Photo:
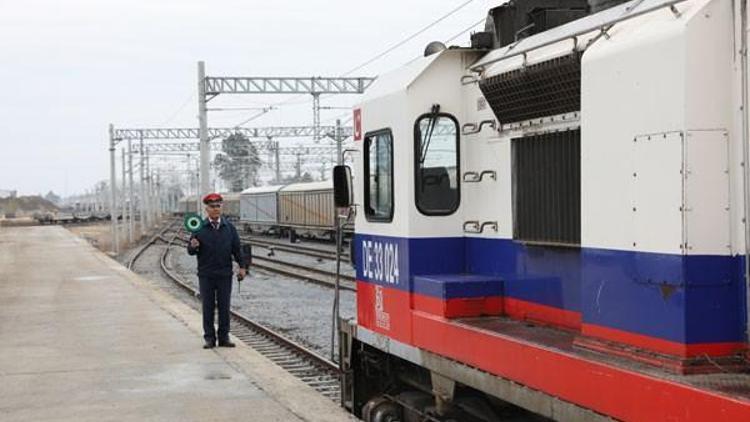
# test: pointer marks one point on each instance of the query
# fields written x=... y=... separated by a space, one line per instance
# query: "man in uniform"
x=215 y=244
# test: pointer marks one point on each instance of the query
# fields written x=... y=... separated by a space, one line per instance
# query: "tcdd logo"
x=382 y=318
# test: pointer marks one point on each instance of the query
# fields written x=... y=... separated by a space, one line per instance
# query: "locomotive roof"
x=401 y=78
x=571 y=30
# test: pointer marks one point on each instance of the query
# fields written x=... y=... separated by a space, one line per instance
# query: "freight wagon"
x=299 y=209
x=231 y=207
x=306 y=209
x=259 y=209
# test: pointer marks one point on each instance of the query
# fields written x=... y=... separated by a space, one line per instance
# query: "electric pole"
x=131 y=194
x=316 y=115
x=277 y=161
x=123 y=199
x=113 y=185
x=339 y=140
x=142 y=189
x=203 y=132
x=298 y=167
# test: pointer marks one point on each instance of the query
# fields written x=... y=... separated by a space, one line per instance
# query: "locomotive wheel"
x=380 y=409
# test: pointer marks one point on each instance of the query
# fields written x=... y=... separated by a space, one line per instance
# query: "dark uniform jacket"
x=217 y=248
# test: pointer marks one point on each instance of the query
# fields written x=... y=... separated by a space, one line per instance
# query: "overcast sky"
x=70 y=67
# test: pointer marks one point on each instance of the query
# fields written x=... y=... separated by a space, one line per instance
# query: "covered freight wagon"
x=192 y=204
x=258 y=209
x=307 y=208
x=187 y=204
x=231 y=205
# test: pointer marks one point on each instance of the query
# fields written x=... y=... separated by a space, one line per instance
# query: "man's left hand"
x=241 y=273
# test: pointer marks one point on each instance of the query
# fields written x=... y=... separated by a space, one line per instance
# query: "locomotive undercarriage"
x=380 y=386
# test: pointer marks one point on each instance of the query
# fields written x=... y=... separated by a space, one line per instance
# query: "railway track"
x=323 y=253
x=300 y=271
x=303 y=272
x=305 y=364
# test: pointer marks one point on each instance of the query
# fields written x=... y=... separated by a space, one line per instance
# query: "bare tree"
x=239 y=162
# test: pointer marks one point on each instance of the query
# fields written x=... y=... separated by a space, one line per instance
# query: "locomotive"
x=555 y=218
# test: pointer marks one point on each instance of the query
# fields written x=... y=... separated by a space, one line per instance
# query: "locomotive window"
x=547 y=188
x=379 y=176
x=436 y=164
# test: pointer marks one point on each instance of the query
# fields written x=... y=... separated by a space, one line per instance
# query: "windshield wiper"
x=430 y=129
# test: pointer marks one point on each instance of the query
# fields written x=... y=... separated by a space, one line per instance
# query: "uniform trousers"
x=215 y=292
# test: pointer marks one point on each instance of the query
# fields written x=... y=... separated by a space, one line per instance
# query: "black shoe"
x=226 y=343
x=209 y=344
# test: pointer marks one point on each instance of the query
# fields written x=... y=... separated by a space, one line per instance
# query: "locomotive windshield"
x=437 y=168
x=379 y=176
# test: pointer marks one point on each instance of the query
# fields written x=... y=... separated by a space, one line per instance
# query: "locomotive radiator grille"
x=547 y=188
x=543 y=89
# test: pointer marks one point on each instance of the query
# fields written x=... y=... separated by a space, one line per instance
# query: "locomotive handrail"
x=598 y=21
x=469 y=79
x=471 y=177
x=491 y=224
x=473 y=128
x=476 y=177
x=473 y=226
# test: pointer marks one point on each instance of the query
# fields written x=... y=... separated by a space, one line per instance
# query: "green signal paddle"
x=192 y=222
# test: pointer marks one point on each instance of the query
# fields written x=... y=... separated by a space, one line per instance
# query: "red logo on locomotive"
x=357 y=124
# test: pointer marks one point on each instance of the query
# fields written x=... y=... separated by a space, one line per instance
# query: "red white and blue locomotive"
x=557 y=221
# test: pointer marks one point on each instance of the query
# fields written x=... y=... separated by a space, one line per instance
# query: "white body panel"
x=658 y=75
x=409 y=93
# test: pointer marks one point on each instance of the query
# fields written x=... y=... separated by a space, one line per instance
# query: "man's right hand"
x=194 y=243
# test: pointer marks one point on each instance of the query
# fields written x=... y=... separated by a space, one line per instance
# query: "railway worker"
x=215 y=244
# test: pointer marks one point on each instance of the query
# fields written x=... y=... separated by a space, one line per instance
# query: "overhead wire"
x=179 y=109
x=409 y=38
x=477 y=23
x=292 y=100
x=448 y=40
x=338 y=116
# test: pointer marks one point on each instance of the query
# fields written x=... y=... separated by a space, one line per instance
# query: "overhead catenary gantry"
x=211 y=86
x=140 y=148
x=214 y=133
x=191 y=147
x=298 y=151
x=337 y=132
x=285 y=85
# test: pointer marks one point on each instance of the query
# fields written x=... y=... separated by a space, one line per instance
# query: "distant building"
x=7 y=193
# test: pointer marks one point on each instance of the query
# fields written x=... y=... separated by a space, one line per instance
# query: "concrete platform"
x=82 y=338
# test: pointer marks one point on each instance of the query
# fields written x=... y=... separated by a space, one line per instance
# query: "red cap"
x=212 y=197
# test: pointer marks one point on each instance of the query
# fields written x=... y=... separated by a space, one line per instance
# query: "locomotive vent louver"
x=543 y=89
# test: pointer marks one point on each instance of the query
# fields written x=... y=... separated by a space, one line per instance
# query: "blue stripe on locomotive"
x=652 y=294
